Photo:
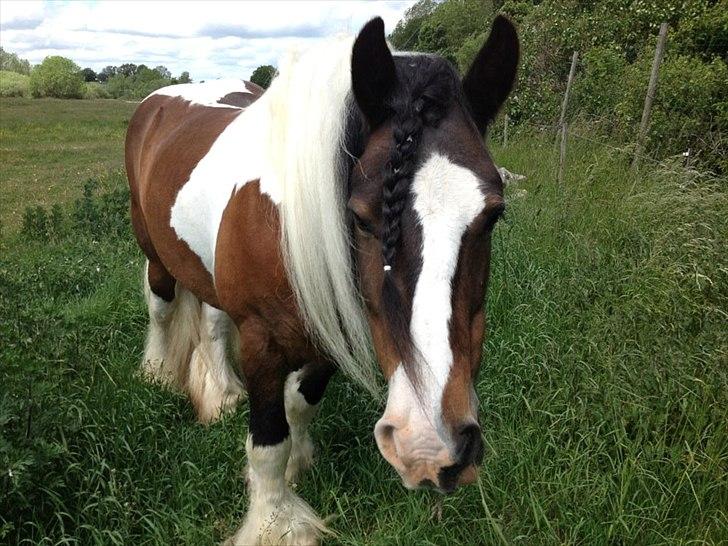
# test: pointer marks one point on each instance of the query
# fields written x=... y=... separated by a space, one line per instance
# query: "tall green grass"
x=604 y=389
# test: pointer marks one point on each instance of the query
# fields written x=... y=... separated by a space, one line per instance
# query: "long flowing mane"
x=310 y=101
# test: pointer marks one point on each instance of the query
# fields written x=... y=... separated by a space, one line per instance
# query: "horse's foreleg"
x=275 y=515
x=304 y=390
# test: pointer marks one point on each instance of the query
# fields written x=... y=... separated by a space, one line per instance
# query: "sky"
x=208 y=39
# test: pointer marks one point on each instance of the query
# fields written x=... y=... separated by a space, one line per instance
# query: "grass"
x=49 y=147
x=604 y=390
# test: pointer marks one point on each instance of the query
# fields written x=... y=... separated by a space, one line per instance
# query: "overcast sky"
x=208 y=39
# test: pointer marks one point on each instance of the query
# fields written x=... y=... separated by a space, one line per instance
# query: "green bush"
x=102 y=214
x=57 y=77
x=263 y=75
x=706 y=35
x=690 y=109
x=39 y=225
x=95 y=90
x=598 y=88
x=13 y=84
x=136 y=86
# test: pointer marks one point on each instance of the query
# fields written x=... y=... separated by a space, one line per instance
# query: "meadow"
x=48 y=145
x=603 y=391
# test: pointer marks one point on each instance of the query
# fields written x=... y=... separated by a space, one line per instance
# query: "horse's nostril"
x=427 y=484
x=470 y=448
x=385 y=433
x=469 y=452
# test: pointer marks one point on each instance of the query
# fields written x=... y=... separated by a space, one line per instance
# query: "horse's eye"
x=362 y=225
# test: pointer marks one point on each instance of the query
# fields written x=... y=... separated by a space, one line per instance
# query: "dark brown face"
x=424 y=272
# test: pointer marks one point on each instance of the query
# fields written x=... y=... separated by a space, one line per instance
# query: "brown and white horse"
x=348 y=207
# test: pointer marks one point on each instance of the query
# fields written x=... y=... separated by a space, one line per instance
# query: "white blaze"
x=447 y=198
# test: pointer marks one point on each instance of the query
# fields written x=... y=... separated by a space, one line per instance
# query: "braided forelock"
x=407 y=129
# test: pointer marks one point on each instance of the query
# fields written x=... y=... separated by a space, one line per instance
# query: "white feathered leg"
x=299 y=414
x=171 y=334
x=212 y=384
x=275 y=515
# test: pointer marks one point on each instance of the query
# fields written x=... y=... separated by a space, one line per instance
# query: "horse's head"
x=425 y=195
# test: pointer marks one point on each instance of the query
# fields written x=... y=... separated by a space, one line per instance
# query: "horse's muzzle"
x=423 y=459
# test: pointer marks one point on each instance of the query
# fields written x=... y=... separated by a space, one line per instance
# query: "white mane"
x=308 y=104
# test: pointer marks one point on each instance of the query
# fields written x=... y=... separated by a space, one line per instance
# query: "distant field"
x=50 y=147
x=603 y=391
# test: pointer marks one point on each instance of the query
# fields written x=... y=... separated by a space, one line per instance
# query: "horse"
x=340 y=220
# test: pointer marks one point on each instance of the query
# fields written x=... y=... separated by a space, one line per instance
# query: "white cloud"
x=208 y=39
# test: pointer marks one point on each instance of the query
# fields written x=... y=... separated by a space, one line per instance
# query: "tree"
x=144 y=74
x=127 y=69
x=263 y=75
x=56 y=77
x=405 y=34
x=88 y=75
x=12 y=63
x=163 y=72
x=106 y=73
x=185 y=77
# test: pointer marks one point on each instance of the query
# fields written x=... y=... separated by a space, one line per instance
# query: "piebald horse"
x=340 y=219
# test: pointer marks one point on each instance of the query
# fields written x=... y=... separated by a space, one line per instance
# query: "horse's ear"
x=373 y=76
x=490 y=78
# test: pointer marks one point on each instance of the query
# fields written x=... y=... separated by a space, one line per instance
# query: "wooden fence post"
x=565 y=104
x=505 y=130
x=562 y=118
x=562 y=153
x=651 y=88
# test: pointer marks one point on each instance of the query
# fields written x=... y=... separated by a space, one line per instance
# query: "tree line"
x=60 y=77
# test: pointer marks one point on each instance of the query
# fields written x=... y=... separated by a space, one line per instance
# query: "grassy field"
x=604 y=391
x=49 y=147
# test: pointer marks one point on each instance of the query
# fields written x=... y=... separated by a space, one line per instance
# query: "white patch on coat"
x=235 y=158
x=207 y=93
x=447 y=198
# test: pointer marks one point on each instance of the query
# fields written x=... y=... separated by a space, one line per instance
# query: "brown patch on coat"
x=241 y=99
x=160 y=281
x=251 y=280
